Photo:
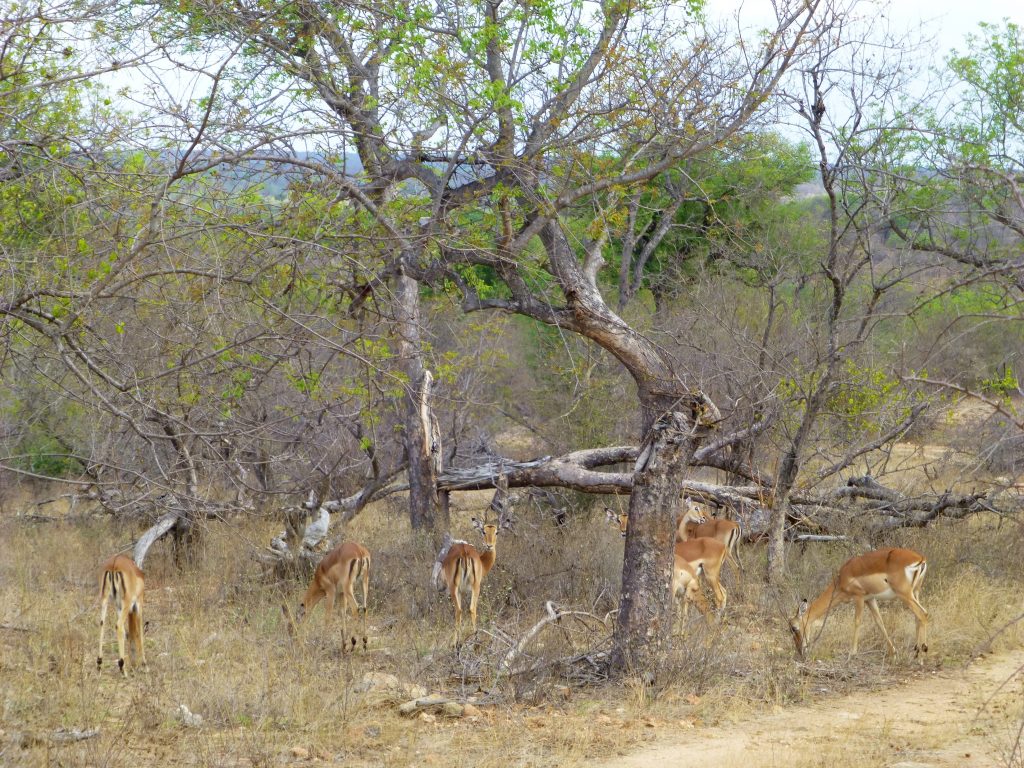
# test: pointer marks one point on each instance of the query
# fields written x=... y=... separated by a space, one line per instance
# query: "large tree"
x=464 y=134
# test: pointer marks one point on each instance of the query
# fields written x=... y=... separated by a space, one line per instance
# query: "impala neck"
x=820 y=606
x=690 y=517
x=487 y=558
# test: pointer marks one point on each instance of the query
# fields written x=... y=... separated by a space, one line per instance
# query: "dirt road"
x=967 y=718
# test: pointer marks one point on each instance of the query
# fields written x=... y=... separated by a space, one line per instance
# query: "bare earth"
x=963 y=717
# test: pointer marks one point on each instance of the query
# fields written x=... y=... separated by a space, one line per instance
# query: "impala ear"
x=802 y=610
x=610 y=516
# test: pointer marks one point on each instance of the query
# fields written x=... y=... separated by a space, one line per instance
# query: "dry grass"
x=216 y=643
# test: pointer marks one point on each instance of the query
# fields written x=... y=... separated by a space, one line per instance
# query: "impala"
x=692 y=557
x=694 y=525
x=686 y=588
x=702 y=555
x=884 y=574
x=122 y=579
x=337 y=574
x=464 y=568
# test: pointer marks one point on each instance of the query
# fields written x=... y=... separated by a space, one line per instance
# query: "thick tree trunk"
x=645 y=609
x=673 y=419
x=423 y=501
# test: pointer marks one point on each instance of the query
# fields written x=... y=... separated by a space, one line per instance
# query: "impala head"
x=798 y=627
x=489 y=530
x=692 y=512
x=621 y=519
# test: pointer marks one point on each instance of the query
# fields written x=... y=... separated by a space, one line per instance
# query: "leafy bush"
x=46 y=455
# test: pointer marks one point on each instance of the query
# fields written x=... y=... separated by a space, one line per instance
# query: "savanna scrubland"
x=410 y=265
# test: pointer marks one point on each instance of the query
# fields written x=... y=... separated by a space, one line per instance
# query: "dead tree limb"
x=158 y=529
x=552 y=615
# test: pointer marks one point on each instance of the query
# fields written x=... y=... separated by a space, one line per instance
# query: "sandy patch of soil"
x=964 y=717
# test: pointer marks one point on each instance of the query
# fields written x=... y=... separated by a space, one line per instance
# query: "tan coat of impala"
x=884 y=574
x=692 y=558
x=336 y=575
x=725 y=531
x=121 y=579
x=464 y=569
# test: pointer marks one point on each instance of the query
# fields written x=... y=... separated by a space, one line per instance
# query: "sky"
x=948 y=21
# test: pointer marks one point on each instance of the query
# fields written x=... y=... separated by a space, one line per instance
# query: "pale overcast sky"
x=948 y=21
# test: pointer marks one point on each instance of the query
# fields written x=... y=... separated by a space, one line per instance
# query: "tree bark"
x=423 y=501
x=645 y=608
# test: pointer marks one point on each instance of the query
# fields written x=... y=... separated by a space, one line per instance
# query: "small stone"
x=300 y=753
x=378 y=680
x=187 y=718
x=452 y=709
x=426 y=717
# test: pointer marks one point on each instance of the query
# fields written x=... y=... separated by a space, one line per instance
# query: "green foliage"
x=861 y=397
x=990 y=125
x=46 y=455
x=968 y=300
x=1001 y=386
x=734 y=205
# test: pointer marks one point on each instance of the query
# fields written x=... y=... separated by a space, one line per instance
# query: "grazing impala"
x=464 y=568
x=884 y=574
x=695 y=525
x=337 y=574
x=692 y=557
x=122 y=579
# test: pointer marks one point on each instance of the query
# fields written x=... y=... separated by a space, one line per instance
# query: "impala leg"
x=122 y=626
x=873 y=605
x=135 y=625
x=329 y=597
x=734 y=561
x=921 y=638
x=473 y=598
x=104 y=603
x=457 y=600
x=696 y=595
x=733 y=556
x=366 y=592
x=716 y=586
x=353 y=606
x=858 y=610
